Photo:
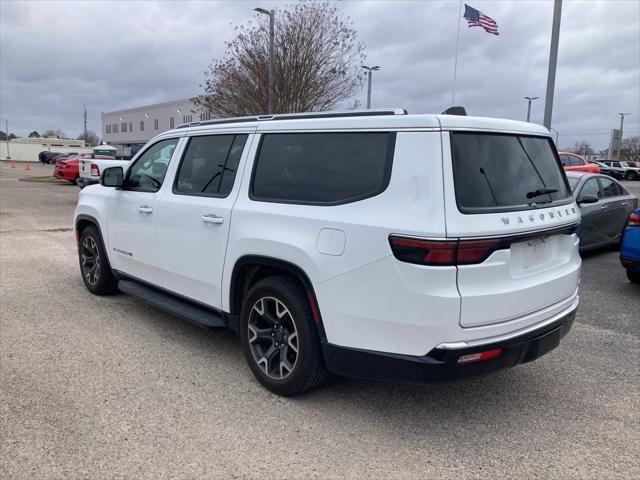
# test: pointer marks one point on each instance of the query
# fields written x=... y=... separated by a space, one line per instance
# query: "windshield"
x=497 y=172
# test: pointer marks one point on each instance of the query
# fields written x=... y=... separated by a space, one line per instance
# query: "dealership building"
x=129 y=129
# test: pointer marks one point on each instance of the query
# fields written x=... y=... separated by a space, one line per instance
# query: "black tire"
x=74 y=181
x=630 y=175
x=308 y=370
x=96 y=274
x=633 y=276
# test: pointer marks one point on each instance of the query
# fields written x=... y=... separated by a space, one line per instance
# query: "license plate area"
x=533 y=255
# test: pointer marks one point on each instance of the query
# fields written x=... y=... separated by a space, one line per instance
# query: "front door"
x=194 y=216
x=592 y=231
x=133 y=212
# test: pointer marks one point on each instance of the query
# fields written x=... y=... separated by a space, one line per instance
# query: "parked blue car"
x=630 y=247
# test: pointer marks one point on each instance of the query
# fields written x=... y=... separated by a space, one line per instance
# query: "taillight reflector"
x=634 y=220
x=442 y=252
x=95 y=171
x=480 y=356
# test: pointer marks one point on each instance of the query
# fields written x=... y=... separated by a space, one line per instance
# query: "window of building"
x=155 y=124
x=108 y=129
x=205 y=116
x=131 y=126
x=142 y=125
x=114 y=127
x=171 y=122
x=322 y=168
x=123 y=126
x=209 y=165
x=187 y=119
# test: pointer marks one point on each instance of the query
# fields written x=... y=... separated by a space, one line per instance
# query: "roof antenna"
x=455 y=111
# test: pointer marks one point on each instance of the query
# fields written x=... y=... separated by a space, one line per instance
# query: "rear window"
x=497 y=172
x=322 y=168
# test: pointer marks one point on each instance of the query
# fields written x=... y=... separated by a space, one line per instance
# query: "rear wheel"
x=279 y=340
x=94 y=266
x=633 y=276
x=630 y=175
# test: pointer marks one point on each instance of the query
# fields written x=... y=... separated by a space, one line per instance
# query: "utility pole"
x=622 y=115
x=530 y=99
x=271 y=14
x=6 y=122
x=586 y=150
x=85 y=124
x=369 y=74
x=553 y=62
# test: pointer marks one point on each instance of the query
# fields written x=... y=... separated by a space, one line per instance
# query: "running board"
x=184 y=309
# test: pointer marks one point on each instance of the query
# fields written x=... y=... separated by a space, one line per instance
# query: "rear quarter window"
x=322 y=168
x=503 y=172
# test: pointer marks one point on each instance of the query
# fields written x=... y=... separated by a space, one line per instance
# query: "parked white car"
x=89 y=169
x=368 y=243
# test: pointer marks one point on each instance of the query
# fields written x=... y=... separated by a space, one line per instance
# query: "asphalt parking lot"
x=107 y=387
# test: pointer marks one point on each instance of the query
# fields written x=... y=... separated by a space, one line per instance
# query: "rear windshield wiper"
x=541 y=191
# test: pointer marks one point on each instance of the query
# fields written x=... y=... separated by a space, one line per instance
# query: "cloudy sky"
x=110 y=55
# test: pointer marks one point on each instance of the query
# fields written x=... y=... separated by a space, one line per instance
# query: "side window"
x=147 y=173
x=564 y=160
x=209 y=165
x=575 y=161
x=590 y=187
x=322 y=168
x=609 y=187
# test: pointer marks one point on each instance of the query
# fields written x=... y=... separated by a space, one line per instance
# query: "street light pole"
x=369 y=74
x=271 y=14
x=530 y=99
x=553 y=62
x=622 y=115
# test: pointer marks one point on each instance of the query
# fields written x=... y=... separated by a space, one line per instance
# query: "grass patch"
x=42 y=179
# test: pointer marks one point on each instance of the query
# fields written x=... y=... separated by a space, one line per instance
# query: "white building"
x=129 y=129
x=28 y=149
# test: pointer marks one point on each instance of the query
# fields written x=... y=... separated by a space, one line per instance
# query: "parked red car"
x=68 y=169
x=575 y=163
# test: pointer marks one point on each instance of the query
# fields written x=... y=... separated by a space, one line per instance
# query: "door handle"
x=603 y=207
x=145 y=209
x=624 y=204
x=212 y=218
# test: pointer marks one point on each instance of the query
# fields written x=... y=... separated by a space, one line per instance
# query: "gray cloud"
x=57 y=56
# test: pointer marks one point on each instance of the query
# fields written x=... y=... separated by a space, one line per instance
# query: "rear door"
x=508 y=194
x=194 y=215
x=617 y=208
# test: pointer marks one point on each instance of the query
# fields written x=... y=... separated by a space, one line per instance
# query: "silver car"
x=605 y=206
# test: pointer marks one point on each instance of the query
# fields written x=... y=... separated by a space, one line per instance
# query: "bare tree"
x=54 y=133
x=631 y=149
x=317 y=63
x=92 y=139
x=582 y=148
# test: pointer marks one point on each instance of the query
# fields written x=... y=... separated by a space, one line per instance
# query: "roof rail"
x=297 y=116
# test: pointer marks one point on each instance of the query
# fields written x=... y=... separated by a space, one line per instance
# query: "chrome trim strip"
x=510 y=335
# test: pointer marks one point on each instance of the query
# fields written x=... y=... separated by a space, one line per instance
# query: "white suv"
x=369 y=244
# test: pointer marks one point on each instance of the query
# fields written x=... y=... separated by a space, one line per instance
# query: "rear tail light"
x=443 y=252
x=480 y=356
x=634 y=220
x=95 y=171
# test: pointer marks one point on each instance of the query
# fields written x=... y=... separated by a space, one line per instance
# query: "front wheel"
x=279 y=339
x=633 y=276
x=94 y=266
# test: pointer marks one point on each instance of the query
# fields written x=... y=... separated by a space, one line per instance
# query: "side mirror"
x=112 y=177
x=588 y=198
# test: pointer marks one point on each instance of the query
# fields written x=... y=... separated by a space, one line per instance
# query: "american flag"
x=478 y=19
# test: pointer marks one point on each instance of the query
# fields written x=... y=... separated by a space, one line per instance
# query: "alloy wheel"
x=90 y=257
x=273 y=337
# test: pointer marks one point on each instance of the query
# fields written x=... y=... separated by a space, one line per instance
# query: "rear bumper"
x=440 y=365
x=84 y=181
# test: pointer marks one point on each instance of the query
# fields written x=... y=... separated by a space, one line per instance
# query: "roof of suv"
x=359 y=119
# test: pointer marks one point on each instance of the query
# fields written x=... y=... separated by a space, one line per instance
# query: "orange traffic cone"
x=26 y=166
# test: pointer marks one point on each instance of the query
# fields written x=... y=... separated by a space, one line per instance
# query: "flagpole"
x=455 y=63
